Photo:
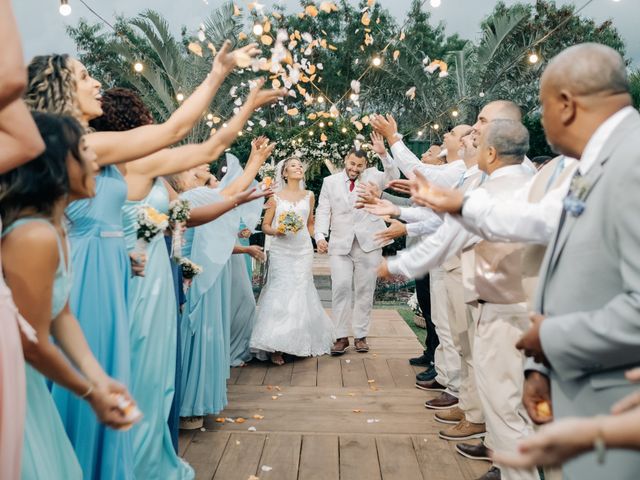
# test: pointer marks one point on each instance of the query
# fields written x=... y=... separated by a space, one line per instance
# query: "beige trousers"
x=500 y=378
x=446 y=358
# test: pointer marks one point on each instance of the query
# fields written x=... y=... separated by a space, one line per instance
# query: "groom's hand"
x=323 y=246
x=383 y=269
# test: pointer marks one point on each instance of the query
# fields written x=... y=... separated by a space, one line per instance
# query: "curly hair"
x=52 y=86
x=123 y=109
x=40 y=183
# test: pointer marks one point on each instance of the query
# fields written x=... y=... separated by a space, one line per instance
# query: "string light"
x=321 y=124
x=310 y=134
x=225 y=125
x=240 y=133
x=180 y=97
x=436 y=126
x=377 y=61
x=138 y=67
x=210 y=116
x=455 y=114
x=435 y=3
x=481 y=95
x=420 y=133
x=344 y=130
x=534 y=58
x=258 y=29
x=65 y=8
x=320 y=99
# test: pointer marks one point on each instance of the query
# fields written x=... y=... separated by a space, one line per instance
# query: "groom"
x=354 y=250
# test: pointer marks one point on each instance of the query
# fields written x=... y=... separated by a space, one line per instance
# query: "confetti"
x=266 y=468
x=411 y=93
x=333 y=397
x=396 y=54
x=311 y=10
x=252 y=429
x=258 y=417
x=274 y=397
x=195 y=48
x=240 y=420
x=236 y=11
x=328 y=7
x=356 y=410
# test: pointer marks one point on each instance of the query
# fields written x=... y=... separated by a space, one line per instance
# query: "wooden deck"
x=355 y=417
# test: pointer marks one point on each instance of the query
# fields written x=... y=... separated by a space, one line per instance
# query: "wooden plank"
x=305 y=372
x=207 y=448
x=397 y=458
x=252 y=374
x=378 y=370
x=353 y=372
x=403 y=374
x=359 y=458
x=435 y=458
x=470 y=469
x=204 y=471
x=184 y=439
x=281 y=453
x=278 y=374
x=319 y=458
x=329 y=372
x=235 y=373
x=241 y=457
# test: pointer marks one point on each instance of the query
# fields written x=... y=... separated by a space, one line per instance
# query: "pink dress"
x=12 y=387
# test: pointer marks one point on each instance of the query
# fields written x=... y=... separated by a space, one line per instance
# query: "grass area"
x=408 y=315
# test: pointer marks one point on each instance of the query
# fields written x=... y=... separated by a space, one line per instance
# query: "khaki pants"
x=500 y=377
x=447 y=360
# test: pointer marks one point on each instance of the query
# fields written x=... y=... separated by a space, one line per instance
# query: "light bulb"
x=240 y=133
x=377 y=61
x=420 y=133
x=210 y=116
x=180 y=96
x=257 y=29
x=65 y=8
x=311 y=133
x=435 y=3
x=533 y=58
x=138 y=67
x=225 y=125
x=321 y=124
x=481 y=94
x=436 y=126
x=344 y=130
x=455 y=114
x=320 y=99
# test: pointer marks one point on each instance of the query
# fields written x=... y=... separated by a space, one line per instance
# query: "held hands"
x=323 y=246
x=138 y=261
x=226 y=61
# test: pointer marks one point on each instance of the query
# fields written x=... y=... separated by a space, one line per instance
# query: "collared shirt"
x=443 y=175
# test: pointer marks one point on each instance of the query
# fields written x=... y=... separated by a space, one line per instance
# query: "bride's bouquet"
x=179 y=213
x=289 y=222
x=189 y=270
x=150 y=223
x=267 y=173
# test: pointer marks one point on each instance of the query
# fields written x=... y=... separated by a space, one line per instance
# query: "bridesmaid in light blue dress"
x=99 y=300
x=152 y=313
x=33 y=202
x=47 y=451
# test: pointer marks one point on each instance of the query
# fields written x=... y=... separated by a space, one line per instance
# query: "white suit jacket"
x=336 y=212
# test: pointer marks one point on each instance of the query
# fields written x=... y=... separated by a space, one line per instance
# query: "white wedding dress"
x=290 y=316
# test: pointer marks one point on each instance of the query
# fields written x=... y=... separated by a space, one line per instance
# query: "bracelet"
x=88 y=392
x=599 y=446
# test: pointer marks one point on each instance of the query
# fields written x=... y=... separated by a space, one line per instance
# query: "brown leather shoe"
x=442 y=402
x=474 y=451
x=430 y=386
x=492 y=474
x=340 y=346
x=452 y=416
x=361 y=345
x=464 y=430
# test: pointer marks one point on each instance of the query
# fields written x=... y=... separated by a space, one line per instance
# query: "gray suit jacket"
x=590 y=292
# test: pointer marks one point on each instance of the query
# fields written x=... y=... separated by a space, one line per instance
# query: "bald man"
x=588 y=329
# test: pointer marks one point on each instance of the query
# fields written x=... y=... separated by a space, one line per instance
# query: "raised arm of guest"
x=13 y=78
x=49 y=75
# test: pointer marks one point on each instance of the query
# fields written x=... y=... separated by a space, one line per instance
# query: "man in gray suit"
x=588 y=330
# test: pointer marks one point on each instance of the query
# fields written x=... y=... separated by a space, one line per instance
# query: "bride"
x=290 y=316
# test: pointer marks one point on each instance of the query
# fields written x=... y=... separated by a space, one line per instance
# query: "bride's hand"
x=256 y=252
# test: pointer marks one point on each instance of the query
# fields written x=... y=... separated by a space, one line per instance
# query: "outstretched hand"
x=395 y=230
x=377 y=142
x=251 y=195
x=261 y=150
x=226 y=61
x=401 y=186
x=382 y=208
x=386 y=126
x=439 y=199
x=368 y=193
x=258 y=97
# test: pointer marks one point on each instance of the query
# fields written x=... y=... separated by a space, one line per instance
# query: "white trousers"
x=353 y=284
x=499 y=370
x=447 y=359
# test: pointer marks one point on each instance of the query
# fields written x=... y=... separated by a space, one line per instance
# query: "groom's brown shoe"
x=361 y=345
x=340 y=346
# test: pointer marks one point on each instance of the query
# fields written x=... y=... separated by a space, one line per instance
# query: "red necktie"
x=352 y=185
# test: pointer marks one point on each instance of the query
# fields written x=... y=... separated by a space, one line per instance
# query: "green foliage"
x=496 y=67
x=634 y=79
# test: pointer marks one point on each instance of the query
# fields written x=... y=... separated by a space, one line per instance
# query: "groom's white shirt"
x=336 y=211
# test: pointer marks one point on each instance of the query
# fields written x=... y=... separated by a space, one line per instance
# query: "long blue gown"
x=205 y=326
x=243 y=311
x=152 y=316
x=102 y=270
x=47 y=453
